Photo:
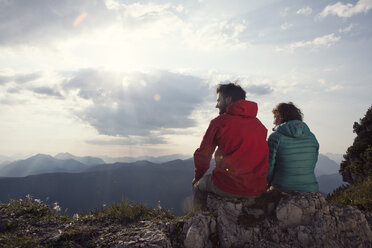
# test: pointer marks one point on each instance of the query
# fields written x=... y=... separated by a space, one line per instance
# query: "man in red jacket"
x=242 y=154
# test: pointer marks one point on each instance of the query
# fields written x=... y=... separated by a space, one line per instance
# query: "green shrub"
x=356 y=168
x=357 y=163
x=358 y=194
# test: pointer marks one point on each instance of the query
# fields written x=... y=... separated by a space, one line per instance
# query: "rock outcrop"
x=146 y=234
x=278 y=220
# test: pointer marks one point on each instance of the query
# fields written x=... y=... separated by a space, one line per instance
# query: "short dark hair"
x=287 y=112
x=231 y=89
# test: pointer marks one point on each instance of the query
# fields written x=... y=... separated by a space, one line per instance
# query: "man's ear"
x=228 y=100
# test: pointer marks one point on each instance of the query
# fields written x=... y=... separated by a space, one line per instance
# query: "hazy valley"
x=86 y=183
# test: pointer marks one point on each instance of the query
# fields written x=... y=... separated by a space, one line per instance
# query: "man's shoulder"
x=218 y=119
x=222 y=120
x=228 y=118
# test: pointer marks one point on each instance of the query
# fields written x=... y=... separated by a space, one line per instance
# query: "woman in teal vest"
x=293 y=151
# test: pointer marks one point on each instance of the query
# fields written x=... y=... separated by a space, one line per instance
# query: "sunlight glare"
x=80 y=19
x=157 y=97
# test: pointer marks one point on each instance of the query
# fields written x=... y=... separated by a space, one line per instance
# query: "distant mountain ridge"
x=41 y=164
x=69 y=163
x=326 y=166
x=328 y=183
x=143 y=182
x=160 y=159
x=88 y=160
x=335 y=157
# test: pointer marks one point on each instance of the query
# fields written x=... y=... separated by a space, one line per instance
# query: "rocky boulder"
x=278 y=220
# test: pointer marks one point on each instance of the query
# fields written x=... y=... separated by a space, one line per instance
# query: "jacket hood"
x=293 y=128
x=243 y=108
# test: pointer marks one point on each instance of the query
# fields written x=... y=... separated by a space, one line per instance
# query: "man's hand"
x=193 y=182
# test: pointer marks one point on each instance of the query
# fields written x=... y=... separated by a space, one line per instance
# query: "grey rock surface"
x=198 y=231
x=147 y=234
x=291 y=220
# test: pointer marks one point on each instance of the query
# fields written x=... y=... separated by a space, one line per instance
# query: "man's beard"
x=222 y=111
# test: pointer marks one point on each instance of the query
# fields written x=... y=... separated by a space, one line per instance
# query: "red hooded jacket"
x=242 y=154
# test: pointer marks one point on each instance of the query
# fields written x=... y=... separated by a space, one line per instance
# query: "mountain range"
x=88 y=160
x=66 y=162
x=79 y=186
x=40 y=164
x=326 y=166
x=145 y=182
x=158 y=160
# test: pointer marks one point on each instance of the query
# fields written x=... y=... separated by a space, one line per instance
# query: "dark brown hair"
x=287 y=112
x=231 y=89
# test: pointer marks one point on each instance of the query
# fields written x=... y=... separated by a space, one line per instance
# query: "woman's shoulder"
x=275 y=136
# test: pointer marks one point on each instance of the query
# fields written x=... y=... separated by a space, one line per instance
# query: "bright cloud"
x=140 y=25
x=346 y=29
x=347 y=10
x=43 y=21
x=217 y=35
x=151 y=20
x=326 y=40
x=285 y=26
x=284 y=12
x=306 y=11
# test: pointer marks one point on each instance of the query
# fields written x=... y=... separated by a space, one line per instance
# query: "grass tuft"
x=127 y=212
x=10 y=240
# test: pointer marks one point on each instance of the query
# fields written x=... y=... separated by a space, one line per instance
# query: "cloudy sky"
x=133 y=78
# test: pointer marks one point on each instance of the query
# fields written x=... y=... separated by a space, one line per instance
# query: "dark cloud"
x=19 y=78
x=46 y=91
x=4 y=79
x=258 y=89
x=138 y=103
x=24 y=21
x=25 y=78
x=14 y=90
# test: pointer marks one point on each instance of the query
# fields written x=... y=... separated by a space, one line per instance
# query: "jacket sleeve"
x=273 y=148
x=203 y=155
